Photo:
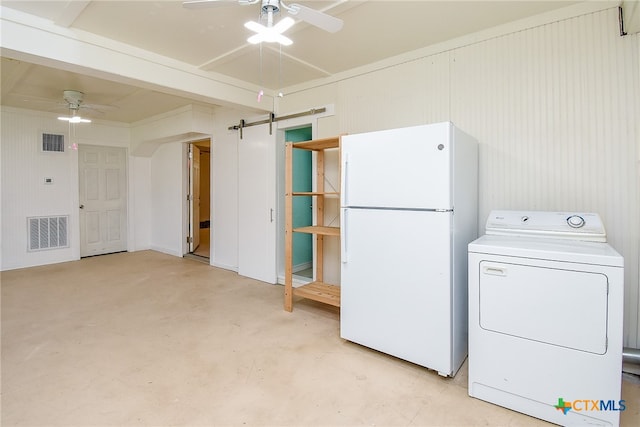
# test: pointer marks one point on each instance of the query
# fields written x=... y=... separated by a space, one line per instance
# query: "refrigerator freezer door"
x=399 y=168
x=396 y=284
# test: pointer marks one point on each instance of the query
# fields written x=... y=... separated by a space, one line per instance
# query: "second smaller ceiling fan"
x=74 y=100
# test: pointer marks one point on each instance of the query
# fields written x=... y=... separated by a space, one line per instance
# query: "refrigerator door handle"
x=343 y=235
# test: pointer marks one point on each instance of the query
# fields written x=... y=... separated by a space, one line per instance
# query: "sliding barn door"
x=257 y=204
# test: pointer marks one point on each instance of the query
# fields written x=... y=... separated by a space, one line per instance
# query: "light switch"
x=48 y=180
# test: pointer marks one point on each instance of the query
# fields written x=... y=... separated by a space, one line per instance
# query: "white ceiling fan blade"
x=284 y=24
x=283 y=40
x=315 y=17
x=256 y=38
x=270 y=36
x=39 y=100
x=254 y=26
x=201 y=4
x=96 y=109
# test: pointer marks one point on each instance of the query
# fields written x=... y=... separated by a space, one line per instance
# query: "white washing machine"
x=546 y=317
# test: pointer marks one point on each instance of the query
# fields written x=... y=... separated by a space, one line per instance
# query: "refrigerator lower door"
x=396 y=284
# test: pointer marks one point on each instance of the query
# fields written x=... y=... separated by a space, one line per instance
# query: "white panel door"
x=257 y=203
x=398 y=168
x=194 y=197
x=396 y=284
x=103 y=200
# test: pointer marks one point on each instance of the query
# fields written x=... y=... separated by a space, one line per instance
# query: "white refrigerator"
x=408 y=211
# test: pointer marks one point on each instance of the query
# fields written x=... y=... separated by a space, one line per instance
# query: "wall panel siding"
x=167 y=190
x=140 y=211
x=401 y=95
x=24 y=193
x=556 y=110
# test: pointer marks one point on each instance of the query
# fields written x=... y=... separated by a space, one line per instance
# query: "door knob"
x=81 y=206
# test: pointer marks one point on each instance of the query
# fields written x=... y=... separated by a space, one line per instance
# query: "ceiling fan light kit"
x=74 y=99
x=74 y=119
x=270 y=33
x=268 y=8
x=267 y=31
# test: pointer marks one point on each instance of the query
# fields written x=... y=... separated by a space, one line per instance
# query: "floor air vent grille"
x=50 y=232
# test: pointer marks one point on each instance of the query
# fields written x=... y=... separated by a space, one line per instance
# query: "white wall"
x=224 y=191
x=554 y=103
x=139 y=203
x=155 y=181
x=167 y=205
x=155 y=143
x=24 y=194
x=564 y=137
x=185 y=124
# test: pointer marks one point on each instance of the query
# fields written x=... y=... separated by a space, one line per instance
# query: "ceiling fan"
x=271 y=32
x=74 y=99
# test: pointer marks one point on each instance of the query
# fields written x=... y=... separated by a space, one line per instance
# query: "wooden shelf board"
x=318 y=144
x=312 y=193
x=319 y=291
x=316 y=229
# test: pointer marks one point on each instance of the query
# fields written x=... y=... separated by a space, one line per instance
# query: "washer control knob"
x=575 y=221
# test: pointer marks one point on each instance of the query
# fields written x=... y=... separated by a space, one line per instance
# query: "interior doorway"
x=303 y=205
x=199 y=199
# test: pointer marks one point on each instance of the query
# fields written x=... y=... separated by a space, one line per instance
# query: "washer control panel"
x=575 y=221
x=562 y=225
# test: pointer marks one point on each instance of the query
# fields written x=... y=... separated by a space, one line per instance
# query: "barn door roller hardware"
x=272 y=118
x=621 y=21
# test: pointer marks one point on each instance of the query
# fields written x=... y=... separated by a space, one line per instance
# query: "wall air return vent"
x=52 y=142
x=50 y=232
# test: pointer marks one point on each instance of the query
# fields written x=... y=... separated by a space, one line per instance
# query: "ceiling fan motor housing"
x=270 y=5
x=74 y=98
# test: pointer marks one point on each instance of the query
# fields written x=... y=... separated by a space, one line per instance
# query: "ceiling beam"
x=71 y=11
x=29 y=38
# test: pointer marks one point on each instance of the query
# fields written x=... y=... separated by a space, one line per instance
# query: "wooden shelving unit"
x=317 y=290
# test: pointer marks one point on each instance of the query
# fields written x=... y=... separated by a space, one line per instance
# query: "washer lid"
x=557 y=225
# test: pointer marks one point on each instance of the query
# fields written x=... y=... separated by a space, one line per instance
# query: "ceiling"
x=214 y=40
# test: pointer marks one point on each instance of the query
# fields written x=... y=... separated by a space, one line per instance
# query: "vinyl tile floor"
x=145 y=338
